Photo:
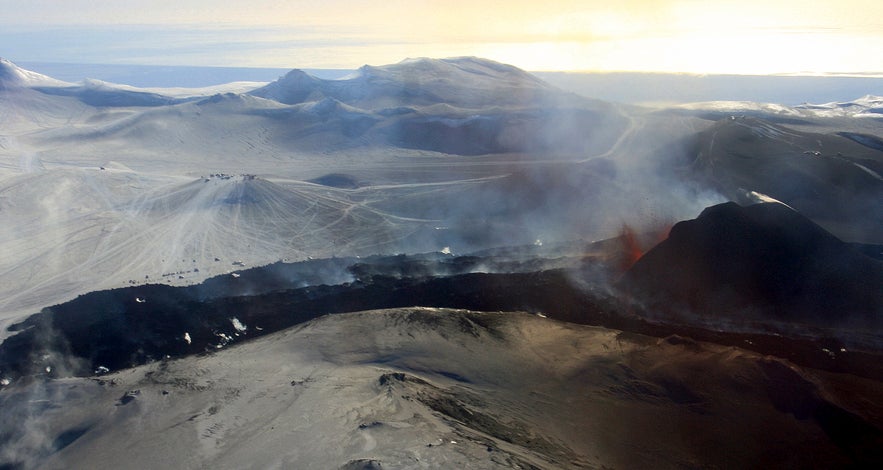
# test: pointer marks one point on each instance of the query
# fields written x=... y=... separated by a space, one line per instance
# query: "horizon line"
x=797 y=74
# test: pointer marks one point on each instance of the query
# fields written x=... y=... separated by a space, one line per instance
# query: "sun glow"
x=724 y=36
x=701 y=37
x=725 y=52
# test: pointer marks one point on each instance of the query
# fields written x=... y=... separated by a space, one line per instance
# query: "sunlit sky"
x=694 y=36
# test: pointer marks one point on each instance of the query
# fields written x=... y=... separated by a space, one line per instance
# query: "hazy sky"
x=699 y=36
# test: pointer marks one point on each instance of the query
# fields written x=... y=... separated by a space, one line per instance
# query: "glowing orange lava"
x=634 y=244
x=631 y=249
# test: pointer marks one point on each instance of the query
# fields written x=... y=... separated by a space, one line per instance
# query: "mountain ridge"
x=11 y=75
x=464 y=82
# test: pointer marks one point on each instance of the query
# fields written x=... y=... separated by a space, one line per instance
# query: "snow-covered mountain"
x=12 y=75
x=868 y=106
x=466 y=82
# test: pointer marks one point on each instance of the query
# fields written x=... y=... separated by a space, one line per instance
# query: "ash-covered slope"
x=834 y=180
x=466 y=82
x=66 y=232
x=415 y=387
x=761 y=263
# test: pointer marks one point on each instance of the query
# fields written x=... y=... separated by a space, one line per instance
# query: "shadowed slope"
x=834 y=180
x=761 y=262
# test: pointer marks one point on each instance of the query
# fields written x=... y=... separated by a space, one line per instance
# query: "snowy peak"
x=13 y=75
x=457 y=67
x=870 y=101
x=467 y=82
x=296 y=86
x=475 y=67
x=866 y=106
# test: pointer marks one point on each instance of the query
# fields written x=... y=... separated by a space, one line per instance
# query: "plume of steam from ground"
x=26 y=435
x=553 y=203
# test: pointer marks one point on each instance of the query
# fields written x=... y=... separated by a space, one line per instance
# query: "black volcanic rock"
x=763 y=262
x=128 y=326
x=120 y=328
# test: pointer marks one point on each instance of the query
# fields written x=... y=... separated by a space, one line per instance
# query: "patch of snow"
x=238 y=325
x=224 y=340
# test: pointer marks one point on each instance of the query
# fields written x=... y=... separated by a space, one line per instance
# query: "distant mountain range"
x=623 y=87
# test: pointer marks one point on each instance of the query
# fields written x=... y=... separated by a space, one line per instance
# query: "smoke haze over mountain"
x=180 y=267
